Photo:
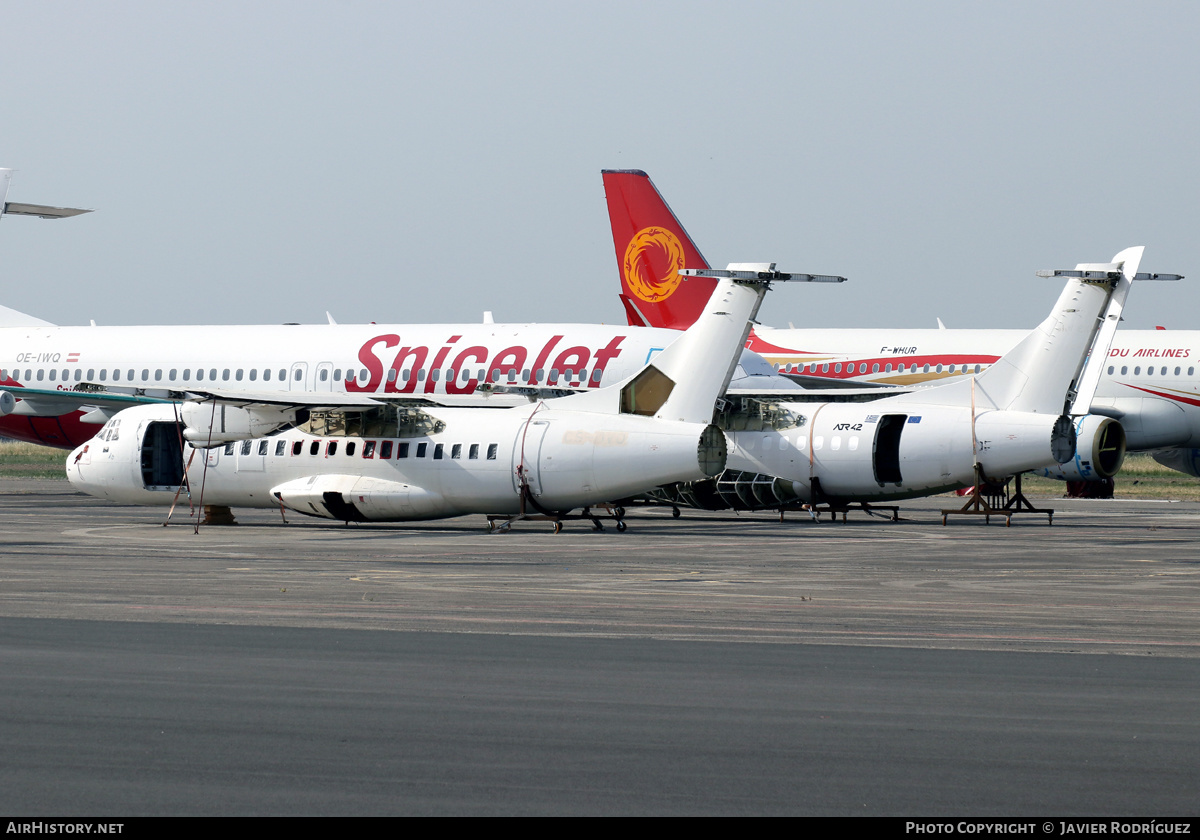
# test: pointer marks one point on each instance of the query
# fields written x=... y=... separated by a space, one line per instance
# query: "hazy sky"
x=412 y=162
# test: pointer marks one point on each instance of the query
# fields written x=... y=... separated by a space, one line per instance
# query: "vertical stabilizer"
x=1043 y=373
x=5 y=179
x=652 y=247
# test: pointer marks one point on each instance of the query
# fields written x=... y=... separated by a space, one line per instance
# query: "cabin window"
x=835 y=443
x=1110 y=370
x=337 y=375
x=300 y=375
x=282 y=374
x=199 y=375
x=402 y=451
x=297 y=447
x=266 y=375
x=1137 y=370
x=246 y=444
x=253 y=374
x=368 y=449
x=473 y=453
x=437 y=451
x=53 y=374
x=212 y=374
x=78 y=374
x=350 y=447
x=925 y=369
x=456 y=452
x=237 y=374
x=1124 y=369
x=1149 y=371
x=1163 y=372
x=977 y=368
x=435 y=375
x=939 y=368
x=229 y=449
x=280 y=446
x=385 y=449
x=495 y=374
x=421 y=448
x=837 y=368
x=262 y=447
x=324 y=375
x=103 y=375
x=314 y=448
x=1176 y=371
x=225 y=375
x=331 y=450
x=875 y=368
x=391 y=374
x=492 y=447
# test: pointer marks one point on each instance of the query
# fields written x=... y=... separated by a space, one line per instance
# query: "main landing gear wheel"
x=558 y=527
x=621 y=525
x=674 y=513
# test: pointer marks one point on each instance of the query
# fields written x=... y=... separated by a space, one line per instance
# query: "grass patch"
x=1141 y=477
x=28 y=460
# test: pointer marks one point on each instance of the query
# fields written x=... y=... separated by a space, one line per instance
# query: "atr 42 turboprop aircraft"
x=1149 y=382
x=1028 y=410
x=376 y=458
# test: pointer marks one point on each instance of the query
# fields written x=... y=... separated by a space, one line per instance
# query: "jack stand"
x=997 y=503
x=218 y=515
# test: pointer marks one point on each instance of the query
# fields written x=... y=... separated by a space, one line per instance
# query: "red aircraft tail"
x=652 y=247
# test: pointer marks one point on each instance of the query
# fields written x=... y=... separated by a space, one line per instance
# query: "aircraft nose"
x=74 y=463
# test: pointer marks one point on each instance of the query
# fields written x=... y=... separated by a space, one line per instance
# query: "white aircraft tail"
x=1045 y=373
x=684 y=381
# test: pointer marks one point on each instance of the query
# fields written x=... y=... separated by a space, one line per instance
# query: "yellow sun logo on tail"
x=652 y=263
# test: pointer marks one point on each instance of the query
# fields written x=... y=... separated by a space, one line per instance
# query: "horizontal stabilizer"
x=42 y=211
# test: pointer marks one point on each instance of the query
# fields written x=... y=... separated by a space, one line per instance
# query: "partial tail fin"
x=684 y=381
x=1045 y=373
x=652 y=247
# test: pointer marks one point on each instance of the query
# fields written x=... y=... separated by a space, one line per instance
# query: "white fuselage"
x=1151 y=379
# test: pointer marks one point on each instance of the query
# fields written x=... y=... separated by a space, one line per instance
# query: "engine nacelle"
x=1099 y=451
x=1186 y=461
x=7 y=403
x=204 y=426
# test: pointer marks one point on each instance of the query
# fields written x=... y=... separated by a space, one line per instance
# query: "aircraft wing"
x=38 y=402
